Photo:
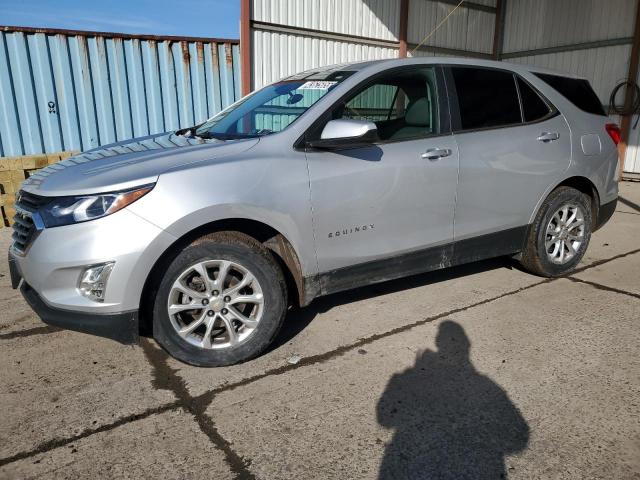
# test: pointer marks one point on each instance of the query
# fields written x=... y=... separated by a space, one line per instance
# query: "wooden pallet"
x=14 y=171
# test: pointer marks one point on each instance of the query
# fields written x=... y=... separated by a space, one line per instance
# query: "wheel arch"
x=271 y=238
x=580 y=183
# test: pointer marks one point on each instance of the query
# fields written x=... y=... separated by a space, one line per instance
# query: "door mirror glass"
x=345 y=133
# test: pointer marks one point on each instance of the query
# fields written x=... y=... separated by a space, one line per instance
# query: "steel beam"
x=124 y=36
x=313 y=33
x=245 y=46
x=451 y=51
x=470 y=5
x=498 y=29
x=404 y=25
x=568 y=48
x=625 y=124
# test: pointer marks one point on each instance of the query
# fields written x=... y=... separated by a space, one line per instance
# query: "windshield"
x=272 y=108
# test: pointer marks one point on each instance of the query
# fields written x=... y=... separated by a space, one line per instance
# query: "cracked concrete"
x=498 y=371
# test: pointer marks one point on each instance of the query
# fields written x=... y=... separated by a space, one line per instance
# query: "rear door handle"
x=436 y=153
x=548 y=136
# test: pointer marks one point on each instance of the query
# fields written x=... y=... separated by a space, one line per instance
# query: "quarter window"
x=533 y=107
x=486 y=98
x=577 y=90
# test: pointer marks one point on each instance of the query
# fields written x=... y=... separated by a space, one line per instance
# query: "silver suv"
x=328 y=180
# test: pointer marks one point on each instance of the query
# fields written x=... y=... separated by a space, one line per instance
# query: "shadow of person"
x=450 y=421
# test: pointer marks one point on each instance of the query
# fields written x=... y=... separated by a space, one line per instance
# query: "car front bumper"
x=121 y=327
x=48 y=273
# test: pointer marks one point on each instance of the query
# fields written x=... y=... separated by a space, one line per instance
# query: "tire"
x=216 y=304
x=547 y=262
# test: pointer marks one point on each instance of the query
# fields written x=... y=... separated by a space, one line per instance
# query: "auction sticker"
x=316 y=85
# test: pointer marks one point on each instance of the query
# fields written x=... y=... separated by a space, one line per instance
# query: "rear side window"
x=576 y=90
x=486 y=98
x=533 y=107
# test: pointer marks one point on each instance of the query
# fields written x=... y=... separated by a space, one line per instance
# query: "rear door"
x=513 y=145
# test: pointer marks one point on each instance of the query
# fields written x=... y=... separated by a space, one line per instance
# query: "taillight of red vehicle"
x=614 y=132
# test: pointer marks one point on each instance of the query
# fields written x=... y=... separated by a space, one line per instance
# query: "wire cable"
x=634 y=108
x=436 y=27
x=635 y=104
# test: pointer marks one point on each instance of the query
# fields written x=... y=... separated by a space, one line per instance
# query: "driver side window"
x=376 y=103
x=403 y=105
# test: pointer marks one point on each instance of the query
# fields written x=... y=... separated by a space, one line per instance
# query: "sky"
x=193 y=18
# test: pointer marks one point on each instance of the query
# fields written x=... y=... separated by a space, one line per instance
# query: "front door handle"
x=436 y=153
x=548 y=136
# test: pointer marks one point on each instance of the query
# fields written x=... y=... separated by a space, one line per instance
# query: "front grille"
x=24 y=228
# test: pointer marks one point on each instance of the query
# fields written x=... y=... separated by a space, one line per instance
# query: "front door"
x=386 y=210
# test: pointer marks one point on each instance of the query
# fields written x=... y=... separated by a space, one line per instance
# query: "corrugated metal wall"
x=293 y=35
x=378 y=19
x=276 y=55
x=78 y=90
x=466 y=29
x=596 y=36
x=551 y=24
x=278 y=52
x=590 y=38
x=632 y=157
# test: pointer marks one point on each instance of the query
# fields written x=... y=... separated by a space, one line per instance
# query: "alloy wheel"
x=215 y=304
x=565 y=233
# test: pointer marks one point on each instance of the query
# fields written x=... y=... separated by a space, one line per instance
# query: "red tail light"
x=614 y=132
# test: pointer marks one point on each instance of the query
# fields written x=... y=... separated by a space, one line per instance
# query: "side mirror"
x=338 y=134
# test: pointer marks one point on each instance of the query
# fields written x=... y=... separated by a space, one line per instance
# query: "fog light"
x=93 y=281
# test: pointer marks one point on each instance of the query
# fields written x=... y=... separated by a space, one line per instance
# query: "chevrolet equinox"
x=327 y=180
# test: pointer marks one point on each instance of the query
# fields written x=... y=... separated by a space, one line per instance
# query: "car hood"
x=128 y=164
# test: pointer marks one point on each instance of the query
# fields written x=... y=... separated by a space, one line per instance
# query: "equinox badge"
x=348 y=231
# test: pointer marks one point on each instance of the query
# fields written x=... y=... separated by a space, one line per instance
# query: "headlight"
x=67 y=210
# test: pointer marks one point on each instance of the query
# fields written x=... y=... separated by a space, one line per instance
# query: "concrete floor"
x=479 y=372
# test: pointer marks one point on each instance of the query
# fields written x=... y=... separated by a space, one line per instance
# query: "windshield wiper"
x=226 y=136
x=190 y=132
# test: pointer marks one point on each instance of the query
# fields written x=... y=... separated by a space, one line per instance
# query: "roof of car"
x=450 y=61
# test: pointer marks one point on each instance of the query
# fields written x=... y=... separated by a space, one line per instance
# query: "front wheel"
x=560 y=234
x=221 y=301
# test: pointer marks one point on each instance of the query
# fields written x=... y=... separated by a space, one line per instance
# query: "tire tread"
x=238 y=241
x=531 y=259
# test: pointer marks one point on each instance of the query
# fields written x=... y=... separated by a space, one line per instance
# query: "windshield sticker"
x=316 y=85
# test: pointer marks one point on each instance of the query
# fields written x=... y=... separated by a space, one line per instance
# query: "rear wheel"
x=560 y=233
x=221 y=301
